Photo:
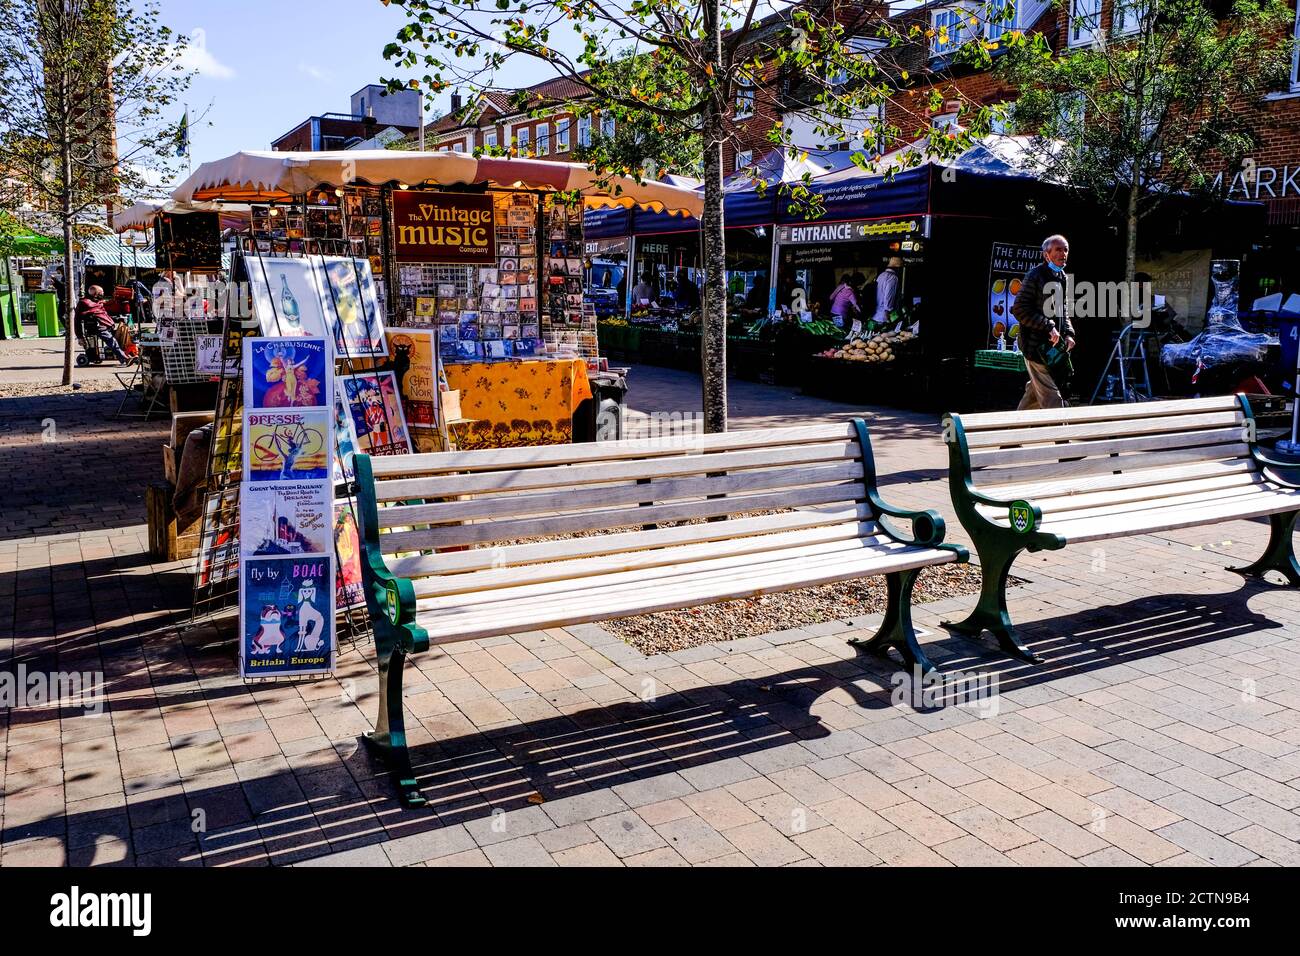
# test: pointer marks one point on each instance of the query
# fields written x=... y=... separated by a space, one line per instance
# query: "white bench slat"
x=1110 y=446
x=510 y=575
x=1175 y=516
x=477 y=559
x=1154 y=492
x=1096 y=466
x=1136 y=479
x=673 y=565
x=1096 y=413
x=448 y=536
x=435 y=463
x=564 y=476
x=592 y=497
x=444 y=627
x=1106 y=429
x=1134 y=508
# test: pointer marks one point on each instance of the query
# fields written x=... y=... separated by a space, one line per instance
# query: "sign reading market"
x=443 y=227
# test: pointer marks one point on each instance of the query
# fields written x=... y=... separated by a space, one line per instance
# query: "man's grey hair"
x=1053 y=240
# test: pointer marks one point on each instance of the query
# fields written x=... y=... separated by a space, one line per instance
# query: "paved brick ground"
x=1164 y=729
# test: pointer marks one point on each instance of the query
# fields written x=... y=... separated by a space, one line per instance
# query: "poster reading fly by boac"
x=286 y=521
x=287 y=613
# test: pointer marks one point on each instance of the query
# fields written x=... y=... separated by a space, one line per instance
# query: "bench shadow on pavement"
x=302 y=808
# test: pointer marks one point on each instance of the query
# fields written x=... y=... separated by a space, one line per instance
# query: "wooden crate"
x=167 y=542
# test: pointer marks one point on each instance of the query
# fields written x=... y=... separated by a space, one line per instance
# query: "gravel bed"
x=677 y=630
x=33 y=389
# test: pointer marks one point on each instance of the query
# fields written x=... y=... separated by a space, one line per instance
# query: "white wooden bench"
x=466 y=545
x=1042 y=479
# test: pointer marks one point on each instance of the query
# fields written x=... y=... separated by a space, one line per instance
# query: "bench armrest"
x=1266 y=460
x=389 y=599
x=928 y=527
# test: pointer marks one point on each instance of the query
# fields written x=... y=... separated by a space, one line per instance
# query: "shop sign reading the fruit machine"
x=443 y=227
x=1007 y=268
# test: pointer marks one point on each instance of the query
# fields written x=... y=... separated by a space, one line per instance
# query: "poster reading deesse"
x=1007 y=269
x=443 y=227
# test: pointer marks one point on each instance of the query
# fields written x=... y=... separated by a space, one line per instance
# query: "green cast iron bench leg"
x=991 y=612
x=896 y=630
x=1279 y=554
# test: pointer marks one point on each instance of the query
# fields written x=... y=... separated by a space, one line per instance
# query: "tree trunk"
x=713 y=312
x=69 y=276
x=1131 y=233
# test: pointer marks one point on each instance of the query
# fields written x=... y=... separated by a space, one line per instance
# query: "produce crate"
x=1009 y=361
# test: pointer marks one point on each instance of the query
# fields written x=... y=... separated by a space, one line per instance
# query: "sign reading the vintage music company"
x=443 y=227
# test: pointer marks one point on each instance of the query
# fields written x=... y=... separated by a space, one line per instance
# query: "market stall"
x=422 y=276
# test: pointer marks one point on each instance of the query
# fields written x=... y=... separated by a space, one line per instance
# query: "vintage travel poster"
x=285 y=373
x=375 y=417
x=287 y=616
x=287 y=297
x=285 y=518
x=353 y=308
x=291 y=445
x=419 y=348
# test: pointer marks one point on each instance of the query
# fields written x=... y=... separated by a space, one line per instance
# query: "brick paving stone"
x=763 y=844
x=521 y=851
x=626 y=834
x=695 y=840
x=1209 y=846
x=968 y=851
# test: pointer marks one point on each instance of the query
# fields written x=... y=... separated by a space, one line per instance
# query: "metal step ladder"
x=1127 y=376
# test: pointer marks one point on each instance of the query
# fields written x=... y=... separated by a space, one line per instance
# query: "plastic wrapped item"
x=1224 y=341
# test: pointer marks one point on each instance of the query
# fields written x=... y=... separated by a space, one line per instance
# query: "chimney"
x=455 y=102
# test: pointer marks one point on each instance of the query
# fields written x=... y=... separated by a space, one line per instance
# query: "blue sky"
x=265 y=66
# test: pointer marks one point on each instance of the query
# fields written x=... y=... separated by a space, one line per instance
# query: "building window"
x=490 y=139
x=1128 y=15
x=947 y=28
x=1003 y=15
x=562 y=136
x=584 y=130
x=1295 y=56
x=1085 y=22
x=543 y=139
x=521 y=140
x=607 y=125
x=744 y=100
x=744 y=159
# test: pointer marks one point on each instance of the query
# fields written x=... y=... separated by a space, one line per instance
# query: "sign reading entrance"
x=443 y=227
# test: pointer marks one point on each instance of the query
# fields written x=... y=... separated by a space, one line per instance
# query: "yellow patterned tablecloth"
x=518 y=403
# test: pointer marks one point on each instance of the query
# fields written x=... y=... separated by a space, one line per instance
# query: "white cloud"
x=315 y=72
x=199 y=58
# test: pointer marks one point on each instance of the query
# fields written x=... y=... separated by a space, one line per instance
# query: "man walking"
x=1040 y=327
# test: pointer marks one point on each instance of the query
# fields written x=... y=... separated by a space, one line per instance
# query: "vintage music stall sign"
x=443 y=227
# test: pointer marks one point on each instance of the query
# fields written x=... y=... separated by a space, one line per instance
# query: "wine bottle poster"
x=287 y=616
x=285 y=373
x=355 y=320
x=287 y=297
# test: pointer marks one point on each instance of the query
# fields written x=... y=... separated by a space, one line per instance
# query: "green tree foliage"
x=1134 y=118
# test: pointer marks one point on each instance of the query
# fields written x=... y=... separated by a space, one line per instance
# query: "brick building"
x=497 y=120
x=376 y=117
